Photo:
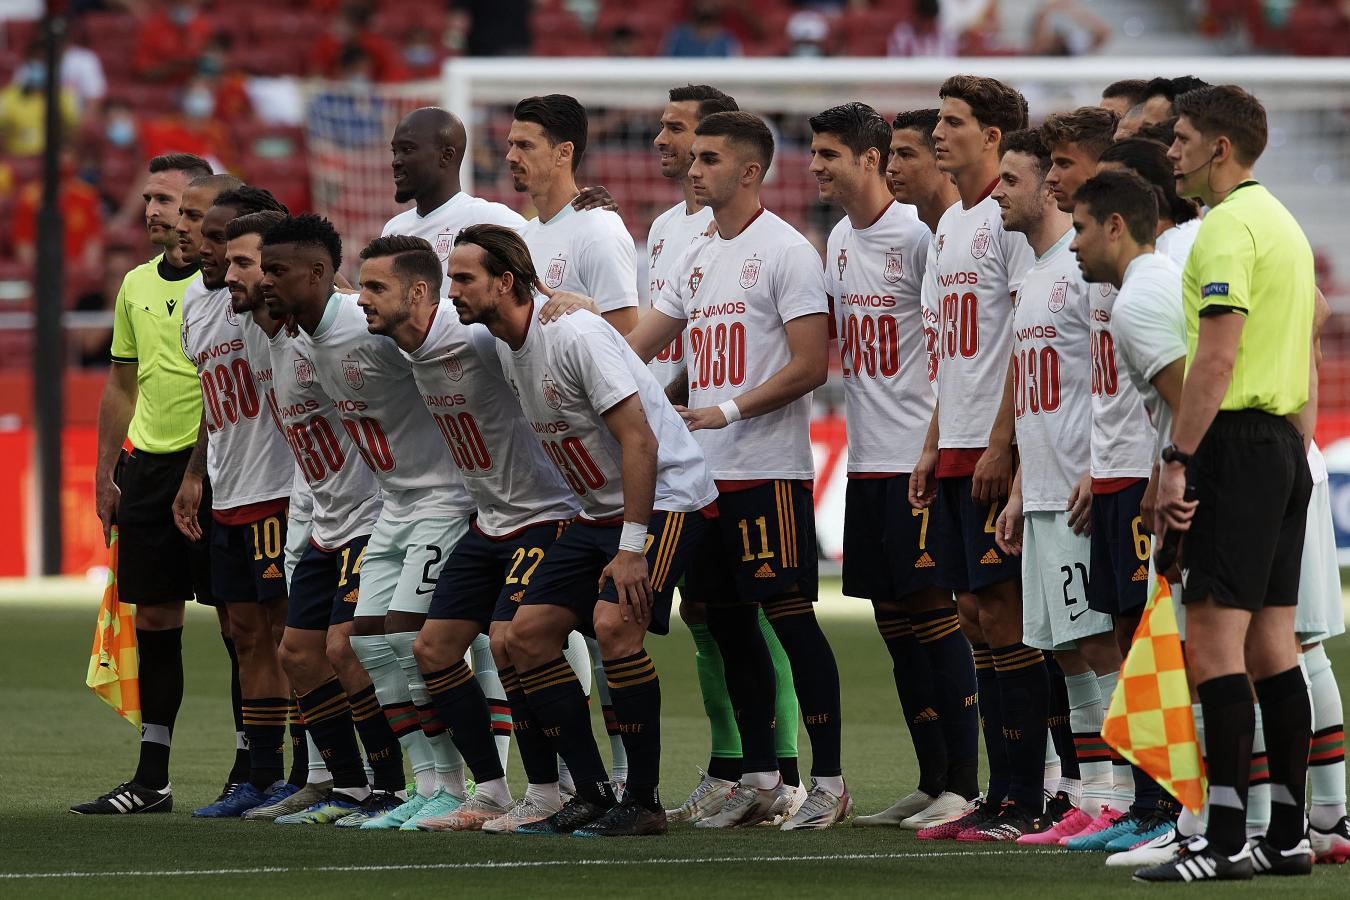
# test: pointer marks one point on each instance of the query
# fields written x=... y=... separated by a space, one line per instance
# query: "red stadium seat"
x=863 y=32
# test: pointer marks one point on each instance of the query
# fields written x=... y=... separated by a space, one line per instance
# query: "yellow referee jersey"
x=147 y=321
x=1251 y=257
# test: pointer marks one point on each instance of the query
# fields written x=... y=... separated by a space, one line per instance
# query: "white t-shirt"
x=671 y=236
x=737 y=296
x=345 y=497
x=567 y=375
x=1175 y=242
x=504 y=468
x=1149 y=324
x=875 y=277
x=1122 y=436
x=440 y=226
x=977 y=267
x=590 y=252
x=245 y=457
x=1317 y=463
x=382 y=410
x=1052 y=383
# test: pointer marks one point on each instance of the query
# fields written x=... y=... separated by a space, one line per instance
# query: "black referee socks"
x=1286 y=718
x=161 y=682
x=1230 y=724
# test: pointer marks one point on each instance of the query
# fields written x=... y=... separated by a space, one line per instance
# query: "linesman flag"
x=113 y=663
x=1150 y=721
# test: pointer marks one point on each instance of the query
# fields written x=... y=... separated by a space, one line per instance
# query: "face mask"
x=199 y=104
x=210 y=66
x=121 y=132
x=419 y=56
x=31 y=75
x=181 y=15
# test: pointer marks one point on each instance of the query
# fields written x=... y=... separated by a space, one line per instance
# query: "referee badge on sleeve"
x=1214 y=289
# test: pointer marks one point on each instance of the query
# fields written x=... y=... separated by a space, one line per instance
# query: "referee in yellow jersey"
x=1248 y=291
x=152 y=399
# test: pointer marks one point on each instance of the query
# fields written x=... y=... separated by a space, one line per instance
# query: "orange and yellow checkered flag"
x=1150 y=721
x=113 y=662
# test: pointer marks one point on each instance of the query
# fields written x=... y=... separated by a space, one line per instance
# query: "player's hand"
x=628 y=570
x=1008 y=528
x=562 y=303
x=993 y=475
x=185 y=507
x=1148 y=506
x=702 y=418
x=594 y=197
x=107 y=496
x=922 y=484
x=1174 y=512
x=1080 y=506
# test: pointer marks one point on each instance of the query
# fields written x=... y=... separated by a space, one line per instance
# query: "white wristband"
x=730 y=410
x=633 y=538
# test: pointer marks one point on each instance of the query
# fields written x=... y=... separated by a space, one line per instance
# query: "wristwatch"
x=1170 y=454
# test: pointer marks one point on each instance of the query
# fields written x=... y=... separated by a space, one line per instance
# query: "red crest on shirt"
x=551 y=395
x=979 y=245
x=304 y=372
x=695 y=279
x=230 y=315
x=895 y=268
x=1105 y=288
x=656 y=251
x=842 y=262
x=351 y=370
x=453 y=369
x=554 y=276
x=750 y=273
x=1058 y=293
x=444 y=241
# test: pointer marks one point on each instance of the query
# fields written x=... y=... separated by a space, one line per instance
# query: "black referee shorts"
x=1245 y=546
x=156 y=565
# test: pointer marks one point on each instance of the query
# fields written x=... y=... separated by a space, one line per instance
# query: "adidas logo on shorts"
x=765 y=571
x=351 y=596
x=515 y=598
x=1140 y=574
x=272 y=572
x=927 y=714
x=990 y=558
x=924 y=562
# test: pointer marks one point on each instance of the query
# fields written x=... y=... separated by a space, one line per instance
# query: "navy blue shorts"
x=761 y=546
x=887 y=551
x=570 y=573
x=248 y=562
x=1118 y=571
x=326 y=585
x=964 y=530
x=485 y=578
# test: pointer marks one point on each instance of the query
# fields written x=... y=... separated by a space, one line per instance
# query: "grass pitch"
x=60 y=744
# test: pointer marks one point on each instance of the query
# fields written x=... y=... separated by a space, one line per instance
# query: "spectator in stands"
x=95 y=344
x=218 y=72
x=421 y=55
x=621 y=41
x=497 y=27
x=701 y=34
x=351 y=28
x=807 y=32
x=170 y=42
x=926 y=35
x=349 y=115
x=1066 y=28
x=23 y=109
x=194 y=128
x=82 y=71
x=81 y=219
x=120 y=127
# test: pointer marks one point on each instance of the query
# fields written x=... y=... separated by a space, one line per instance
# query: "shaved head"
x=428 y=148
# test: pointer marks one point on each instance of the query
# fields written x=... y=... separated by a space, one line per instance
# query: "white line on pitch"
x=514 y=864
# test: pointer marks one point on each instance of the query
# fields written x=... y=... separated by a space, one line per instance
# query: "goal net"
x=1307 y=163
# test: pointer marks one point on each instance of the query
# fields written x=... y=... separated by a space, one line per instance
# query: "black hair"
x=1134 y=90
x=189 y=164
x=249 y=199
x=1030 y=142
x=562 y=118
x=252 y=223
x=1148 y=159
x=921 y=120
x=742 y=128
x=710 y=100
x=503 y=250
x=414 y=259
x=858 y=127
x=1124 y=194
x=306 y=230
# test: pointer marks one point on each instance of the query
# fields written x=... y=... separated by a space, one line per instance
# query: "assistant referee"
x=152 y=400
x=1248 y=290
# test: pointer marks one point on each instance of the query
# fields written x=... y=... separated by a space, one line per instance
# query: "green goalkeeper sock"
x=785 y=703
x=712 y=683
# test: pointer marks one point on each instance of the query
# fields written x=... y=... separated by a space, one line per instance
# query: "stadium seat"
x=863 y=32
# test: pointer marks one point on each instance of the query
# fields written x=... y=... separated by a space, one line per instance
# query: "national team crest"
x=304 y=372
x=454 y=370
x=842 y=262
x=750 y=273
x=695 y=279
x=554 y=276
x=231 y=316
x=979 y=245
x=444 y=241
x=351 y=370
x=1059 y=292
x=942 y=239
x=551 y=395
x=1106 y=288
x=895 y=268
x=656 y=251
